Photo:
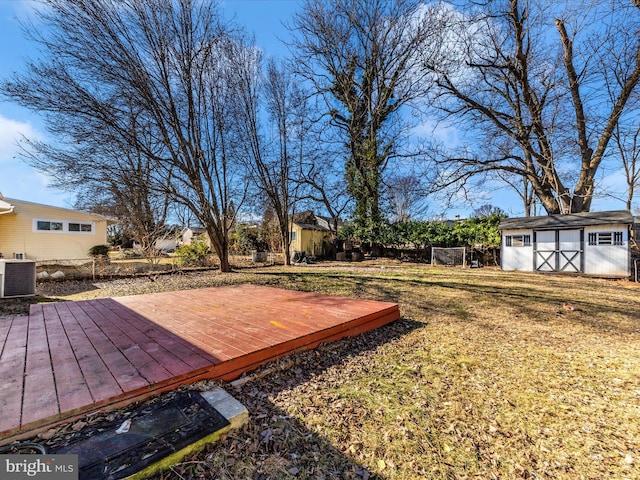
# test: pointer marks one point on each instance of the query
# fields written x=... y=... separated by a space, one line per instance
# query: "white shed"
x=593 y=243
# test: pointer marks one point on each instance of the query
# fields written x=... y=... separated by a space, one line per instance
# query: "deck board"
x=12 y=361
x=71 y=388
x=70 y=358
x=5 y=326
x=95 y=373
x=40 y=398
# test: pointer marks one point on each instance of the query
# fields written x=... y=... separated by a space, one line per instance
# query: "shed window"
x=518 y=240
x=293 y=236
x=617 y=238
x=606 y=238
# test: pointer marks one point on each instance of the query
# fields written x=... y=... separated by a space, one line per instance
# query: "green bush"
x=465 y=233
x=194 y=255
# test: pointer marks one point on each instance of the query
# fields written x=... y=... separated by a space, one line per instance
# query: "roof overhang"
x=569 y=221
x=6 y=207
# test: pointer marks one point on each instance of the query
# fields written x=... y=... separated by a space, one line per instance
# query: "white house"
x=593 y=243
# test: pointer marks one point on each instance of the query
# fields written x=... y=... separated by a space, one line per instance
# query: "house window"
x=606 y=238
x=80 y=227
x=43 y=225
x=518 y=240
x=293 y=236
x=61 y=226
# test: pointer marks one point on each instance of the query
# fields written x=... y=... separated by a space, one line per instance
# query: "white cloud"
x=17 y=179
x=11 y=134
x=611 y=191
x=447 y=134
x=25 y=9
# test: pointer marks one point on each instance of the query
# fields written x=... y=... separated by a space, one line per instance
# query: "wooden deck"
x=69 y=358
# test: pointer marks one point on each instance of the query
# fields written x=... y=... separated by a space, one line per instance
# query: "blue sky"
x=263 y=18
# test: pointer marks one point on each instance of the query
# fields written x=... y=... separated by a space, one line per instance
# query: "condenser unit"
x=17 y=278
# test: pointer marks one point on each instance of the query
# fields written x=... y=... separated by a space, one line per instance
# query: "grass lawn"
x=488 y=374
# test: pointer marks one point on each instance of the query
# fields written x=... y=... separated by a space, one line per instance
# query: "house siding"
x=19 y=235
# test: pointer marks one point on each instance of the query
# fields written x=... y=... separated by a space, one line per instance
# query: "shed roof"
x=571 y=220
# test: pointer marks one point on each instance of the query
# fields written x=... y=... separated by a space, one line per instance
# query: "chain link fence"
x=95 y=268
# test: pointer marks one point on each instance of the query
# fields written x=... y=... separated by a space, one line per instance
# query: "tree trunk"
x=225 y=266
x=221 y=247
x=286 y=250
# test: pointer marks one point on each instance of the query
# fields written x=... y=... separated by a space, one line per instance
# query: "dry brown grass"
x=502 y=381
x=487 y=375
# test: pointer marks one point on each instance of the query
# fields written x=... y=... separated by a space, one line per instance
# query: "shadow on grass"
x=275 y=444
x=21 y=305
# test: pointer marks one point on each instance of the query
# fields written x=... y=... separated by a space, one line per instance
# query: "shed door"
x=570 y=250
x=558 y=251
x=545 y=251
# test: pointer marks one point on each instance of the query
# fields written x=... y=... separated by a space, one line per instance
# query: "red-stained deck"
x=69 y=358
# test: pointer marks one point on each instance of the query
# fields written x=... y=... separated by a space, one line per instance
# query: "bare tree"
x=407 y=197
x=533 y=93
x=522 y=186
x=627 y=132
x=317 y=172
x=363 y=59
x=487 y=210
x=169 y=62
x=109 y=178
x=270 y=149
x=628 y=144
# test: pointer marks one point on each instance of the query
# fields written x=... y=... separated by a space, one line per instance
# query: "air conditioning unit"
x=17 y=278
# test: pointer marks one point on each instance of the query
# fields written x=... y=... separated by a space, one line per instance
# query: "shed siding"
x=609 y=260
x=311 y=242
x=296 y=243
x=517 y=258
x=18 y=235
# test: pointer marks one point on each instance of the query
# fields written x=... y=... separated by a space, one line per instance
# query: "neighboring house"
x=171 y=241
x=42 y=232
x=189 y=234
x=165 y=245
x=593 y=243
x=311 y=238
